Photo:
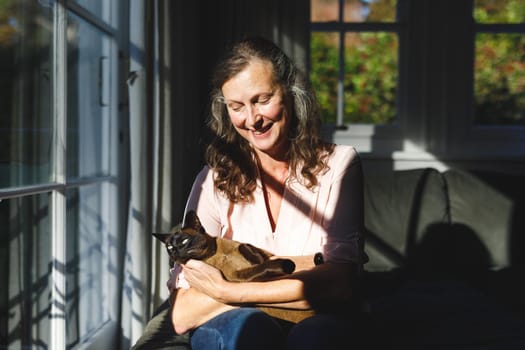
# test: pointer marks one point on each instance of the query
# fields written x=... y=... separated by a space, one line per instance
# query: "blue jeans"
x=250 y=328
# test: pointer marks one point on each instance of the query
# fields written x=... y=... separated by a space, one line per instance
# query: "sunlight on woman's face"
x=256 y=109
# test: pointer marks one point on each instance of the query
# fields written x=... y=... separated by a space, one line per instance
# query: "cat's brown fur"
x=237 y=261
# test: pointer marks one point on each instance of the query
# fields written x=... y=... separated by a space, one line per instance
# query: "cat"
x=237 y=261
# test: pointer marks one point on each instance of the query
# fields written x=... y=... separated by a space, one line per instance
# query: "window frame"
x=502 y=139
x=58 y=184
x=377 y=139
x=435 y=92
x=104 y=335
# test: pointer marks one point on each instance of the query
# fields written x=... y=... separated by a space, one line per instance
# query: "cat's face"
x=189 y=242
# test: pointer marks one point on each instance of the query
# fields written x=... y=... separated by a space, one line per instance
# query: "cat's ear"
x=161 y=236
x=192 y=220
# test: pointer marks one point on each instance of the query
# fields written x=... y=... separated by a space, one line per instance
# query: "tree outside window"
x=499 y=66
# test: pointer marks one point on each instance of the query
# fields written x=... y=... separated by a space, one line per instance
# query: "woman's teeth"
x=263 y=130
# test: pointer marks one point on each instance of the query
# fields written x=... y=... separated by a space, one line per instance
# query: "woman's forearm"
x=212 y=296
x=191 y=308
x=301 y=289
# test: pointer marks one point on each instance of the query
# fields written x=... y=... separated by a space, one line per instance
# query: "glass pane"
x=370 y=11
x=25 y=262
x=88 y=103
x=101 y=9
x=324 y=72
x=499 y=11
x=90 y=254
x=324 y=10
x=499 y=79
x=371 y=75
x=25 y=92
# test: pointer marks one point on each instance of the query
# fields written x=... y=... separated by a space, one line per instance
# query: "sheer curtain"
x=173 y=45
x=151 y=165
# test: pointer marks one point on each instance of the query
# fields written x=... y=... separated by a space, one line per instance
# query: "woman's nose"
x=253 y=117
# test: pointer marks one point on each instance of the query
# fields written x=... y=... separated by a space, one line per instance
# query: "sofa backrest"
x=457 y=219
x=399 y=208
x=492 y=205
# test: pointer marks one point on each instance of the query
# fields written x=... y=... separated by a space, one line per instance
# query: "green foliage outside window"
x=499 y=73
x=499 y=81
x=370 y=76
x=371 y=69
x=323 y=73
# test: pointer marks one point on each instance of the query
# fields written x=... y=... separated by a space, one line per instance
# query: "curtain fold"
x=173 y=46
x=151 y=165
x=163 y=216
x=135 y=295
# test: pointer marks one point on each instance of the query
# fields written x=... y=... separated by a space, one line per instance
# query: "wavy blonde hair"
x=231 y=156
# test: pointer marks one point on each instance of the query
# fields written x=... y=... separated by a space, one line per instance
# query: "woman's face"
x=256 y=108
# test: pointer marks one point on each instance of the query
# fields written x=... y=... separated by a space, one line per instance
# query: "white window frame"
x=104 y=336
x=113 y=12
x=502 y=141
x=434 y=125
x=368 y=138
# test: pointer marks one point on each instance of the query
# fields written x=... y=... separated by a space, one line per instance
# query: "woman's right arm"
x=191 y=308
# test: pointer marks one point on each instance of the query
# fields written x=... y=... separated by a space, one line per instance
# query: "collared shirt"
x=327 y=218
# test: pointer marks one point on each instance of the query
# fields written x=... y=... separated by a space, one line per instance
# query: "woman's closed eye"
x=257 y=101
x=264 y=99
x=236 y=107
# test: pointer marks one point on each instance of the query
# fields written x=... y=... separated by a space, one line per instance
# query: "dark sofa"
x=446 y=259
x=447 y=256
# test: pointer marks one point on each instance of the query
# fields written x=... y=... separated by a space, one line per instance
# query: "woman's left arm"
x=301 y=290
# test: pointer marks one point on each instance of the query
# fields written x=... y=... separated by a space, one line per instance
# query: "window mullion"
x=341 y=69
x=58 y=316
x=340 y=81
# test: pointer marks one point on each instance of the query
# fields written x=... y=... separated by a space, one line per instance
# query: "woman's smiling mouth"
x=263 y=130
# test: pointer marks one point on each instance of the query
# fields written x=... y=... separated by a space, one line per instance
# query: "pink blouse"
x=327 y=219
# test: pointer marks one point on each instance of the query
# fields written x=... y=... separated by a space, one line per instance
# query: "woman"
x=272 y=182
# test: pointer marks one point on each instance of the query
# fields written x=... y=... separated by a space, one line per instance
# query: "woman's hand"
x=194 y=306
x=205 y=278
x=172 y=281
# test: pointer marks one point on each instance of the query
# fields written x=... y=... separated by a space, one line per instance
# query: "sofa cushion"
x=399 y=206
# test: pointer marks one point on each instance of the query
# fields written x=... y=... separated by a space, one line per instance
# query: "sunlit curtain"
x=173 y=45
x=150 y=167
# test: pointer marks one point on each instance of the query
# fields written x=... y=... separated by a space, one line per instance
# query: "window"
x=418 y=81
x=354 y=68
x=354 y=60
x=499 y=68
x=59 y=177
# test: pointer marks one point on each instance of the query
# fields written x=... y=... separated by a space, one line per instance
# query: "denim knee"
x=243 y=328
x=322 y=331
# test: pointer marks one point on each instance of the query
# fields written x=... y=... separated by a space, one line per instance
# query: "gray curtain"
x=173 y=46
x=135 y=302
